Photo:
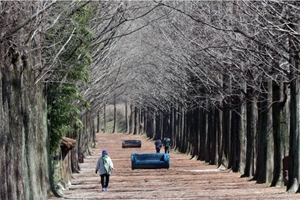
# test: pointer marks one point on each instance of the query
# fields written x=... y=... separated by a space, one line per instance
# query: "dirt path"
x=185 y=179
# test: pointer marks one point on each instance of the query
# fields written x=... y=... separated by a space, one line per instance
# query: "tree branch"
x=25 y=22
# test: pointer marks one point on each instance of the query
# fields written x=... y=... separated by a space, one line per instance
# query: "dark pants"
x=104 y=180
x=157 y=150
x=167 y=149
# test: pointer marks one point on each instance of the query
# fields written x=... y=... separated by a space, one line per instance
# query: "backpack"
x=106 y=164
x=167 y=142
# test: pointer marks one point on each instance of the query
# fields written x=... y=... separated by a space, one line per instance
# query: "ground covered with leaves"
x=185 y=179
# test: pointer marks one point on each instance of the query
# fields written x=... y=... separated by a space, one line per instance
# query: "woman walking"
x=105 y=167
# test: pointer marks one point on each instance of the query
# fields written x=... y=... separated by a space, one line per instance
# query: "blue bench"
x=150 y=161
x=131 y=143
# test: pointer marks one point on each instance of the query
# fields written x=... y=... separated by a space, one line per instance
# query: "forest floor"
x=185 y=179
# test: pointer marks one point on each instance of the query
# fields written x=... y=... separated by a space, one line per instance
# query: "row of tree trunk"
x=250 y=135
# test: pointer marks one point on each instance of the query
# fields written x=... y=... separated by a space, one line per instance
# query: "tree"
x=23 y=131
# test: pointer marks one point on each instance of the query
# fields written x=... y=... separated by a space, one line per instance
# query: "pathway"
x=185 y=179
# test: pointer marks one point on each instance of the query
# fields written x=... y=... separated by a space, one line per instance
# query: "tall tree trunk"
x=136 y=120
x=172 y=126
x=211 y=138
x=208 y=134
x=265 y=145
x=150 y=125
x=159 y=126
x=270 y=136
x=104 y=118
x=242 y=136
x=166 y=124
x=115 y=117
x=83 y=138
x=261 y=137
x=76 y=151
x=221 y=138
x=293 y=185
x=234 y=160
x=277 y=115
x=126 y=118
x=131 y=118
x=188 y=131
x=226 y=134
x=203 y=133
x=141 y=120
x=251 y=130
x=145 y=120
x=176 y=127
x=24 y=141
x=195 y=132
x=98 y=122
x=185 y=136
x=215 y=142
x=293 y=169
x=226 y=122
x=181 y=130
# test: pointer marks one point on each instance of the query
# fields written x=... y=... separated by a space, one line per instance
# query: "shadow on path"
x=185 y=179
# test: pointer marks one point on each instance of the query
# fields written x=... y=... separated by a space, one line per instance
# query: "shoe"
x=106 y=189
x=103 y=189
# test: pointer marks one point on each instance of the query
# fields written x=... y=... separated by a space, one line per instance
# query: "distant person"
x=158 y=145
x=167 y=144
x=105 y=167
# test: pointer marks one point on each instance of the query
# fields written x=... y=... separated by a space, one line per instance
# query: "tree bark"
x=24 y=140
x=234 y=160
x=98 y=122
x=104 y=118
x=136 y=120
x=293 y=185
x=277 y=116
x=203 y=133
x=126 y=118
x=115 y=117
x=251 y=130
x=265 y=138
x=243 y=136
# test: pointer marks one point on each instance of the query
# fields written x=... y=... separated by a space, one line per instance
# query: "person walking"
x=167 y=144
x=158 y=145
x=105 y=167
